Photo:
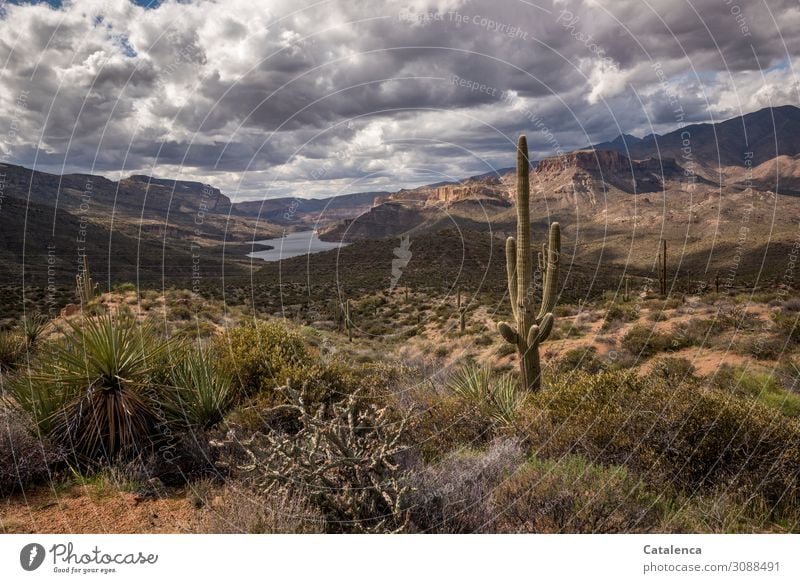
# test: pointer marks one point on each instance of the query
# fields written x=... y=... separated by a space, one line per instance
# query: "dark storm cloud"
x=382 y=94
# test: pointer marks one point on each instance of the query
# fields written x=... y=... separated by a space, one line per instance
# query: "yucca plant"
x=200 y=391
x=506 y=397
x=499 y=396
x=93 y=392
x=33 y=326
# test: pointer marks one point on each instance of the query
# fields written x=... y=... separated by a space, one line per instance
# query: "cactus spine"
x=530 y=330
x=86 y=287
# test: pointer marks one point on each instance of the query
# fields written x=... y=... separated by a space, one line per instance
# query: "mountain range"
x=695 y=186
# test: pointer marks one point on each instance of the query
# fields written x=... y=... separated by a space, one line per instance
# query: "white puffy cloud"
x=254 y=97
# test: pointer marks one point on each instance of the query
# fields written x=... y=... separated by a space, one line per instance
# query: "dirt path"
x=87 y=509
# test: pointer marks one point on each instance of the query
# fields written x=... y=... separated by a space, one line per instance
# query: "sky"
x=319 y=98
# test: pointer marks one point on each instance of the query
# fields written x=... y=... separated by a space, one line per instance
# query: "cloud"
x=382 y=94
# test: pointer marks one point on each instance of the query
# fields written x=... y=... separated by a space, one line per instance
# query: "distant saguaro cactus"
x=462 y=311
x=662 y=267
x=348 y=324
x=529 y=330
x=86 y=287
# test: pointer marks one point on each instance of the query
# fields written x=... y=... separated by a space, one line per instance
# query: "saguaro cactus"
x=86 y=287
x=462 y=311
x=347 y=322
x=662 y=267
x=529 y=330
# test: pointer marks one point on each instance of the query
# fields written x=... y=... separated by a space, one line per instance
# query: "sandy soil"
x=86 y=509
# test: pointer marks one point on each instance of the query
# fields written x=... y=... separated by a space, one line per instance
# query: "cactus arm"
x=511 y=271
x=533 y=333
x=507 y=332
x=550 y=287
x=544 y=330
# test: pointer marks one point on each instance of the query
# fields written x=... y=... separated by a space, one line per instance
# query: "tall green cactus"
x=530 y=330
x=85 y=285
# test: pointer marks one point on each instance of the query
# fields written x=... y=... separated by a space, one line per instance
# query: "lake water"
x=293 y=245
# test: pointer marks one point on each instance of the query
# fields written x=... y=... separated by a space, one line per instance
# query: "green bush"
x=584 y=358
x=762 y=386
x=680 y=435
x=673 y=369
x=642 y=341
x=261 y=355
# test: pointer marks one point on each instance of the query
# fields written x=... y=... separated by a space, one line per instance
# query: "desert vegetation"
x=232 y=423
x=401 y=410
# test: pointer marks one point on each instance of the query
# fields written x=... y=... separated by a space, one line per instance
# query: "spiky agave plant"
x=33 y=326
x=498 y=396
x=92 y=392
x=200 y=390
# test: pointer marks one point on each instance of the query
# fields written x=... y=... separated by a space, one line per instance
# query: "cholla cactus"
x=344 y=458
x=86 y=287
x=529 y=330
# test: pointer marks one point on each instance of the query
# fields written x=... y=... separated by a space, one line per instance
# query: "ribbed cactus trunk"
x=662 y=268
x=530 y=330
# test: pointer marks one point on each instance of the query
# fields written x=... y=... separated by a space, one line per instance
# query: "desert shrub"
x=92 y=391
x=199 y=391
x=443 y=424
x=24 y=460
x=500 y=396
x=12 y=349
x=453 y=494
x=125 y=286
x=788 y=324
x=574 y=495
x=681 y=435
x=761 y=347
x=736 y=316
x=762 y=386
x=505 y=349
x=344 y=459
x=787 y=374
x=613 y=316
x=261 y=354
x=324 y=383
x=241 y=510
x=692 y=332
x=673 y=369
x=643 y=341
x=584 y=358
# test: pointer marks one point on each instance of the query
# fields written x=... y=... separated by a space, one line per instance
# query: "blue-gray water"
x=293 y=245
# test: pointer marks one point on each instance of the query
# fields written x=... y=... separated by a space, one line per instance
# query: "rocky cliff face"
x=589 y=175
x=485 y=189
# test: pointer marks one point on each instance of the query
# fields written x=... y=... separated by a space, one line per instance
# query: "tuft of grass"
x=200 y=391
